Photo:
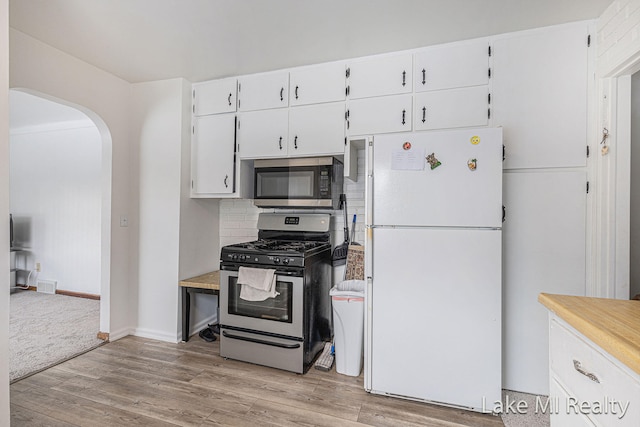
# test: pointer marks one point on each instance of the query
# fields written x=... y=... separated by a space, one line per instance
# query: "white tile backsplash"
x=239 y=217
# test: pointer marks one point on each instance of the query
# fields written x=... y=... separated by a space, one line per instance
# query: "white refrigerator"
x=433 y=266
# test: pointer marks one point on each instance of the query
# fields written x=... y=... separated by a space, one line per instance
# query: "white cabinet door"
x=263 y=133
x=544 y=241
x=317 y=129
x=317 y=84
x=385 y=75
x=379 y=115
x=451 y=108
x=214 y=97
x=213 y=155
x=539 y=96
x=448 y=67
x=262 y=91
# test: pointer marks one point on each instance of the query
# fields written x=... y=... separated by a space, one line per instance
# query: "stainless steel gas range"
x=289 y=330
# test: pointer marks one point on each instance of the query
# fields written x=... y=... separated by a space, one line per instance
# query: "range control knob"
x=242 y=257
x=234 y=256
x=277 y=260
x=285 y=261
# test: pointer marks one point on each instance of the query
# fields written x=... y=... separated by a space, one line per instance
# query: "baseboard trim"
x=155 y=335
x=77 y=294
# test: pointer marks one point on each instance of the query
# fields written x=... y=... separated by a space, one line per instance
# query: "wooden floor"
x=137 y=381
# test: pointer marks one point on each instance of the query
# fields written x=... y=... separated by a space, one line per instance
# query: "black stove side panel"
x=318 y=327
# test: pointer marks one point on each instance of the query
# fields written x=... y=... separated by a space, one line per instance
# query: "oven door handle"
x=274 y=344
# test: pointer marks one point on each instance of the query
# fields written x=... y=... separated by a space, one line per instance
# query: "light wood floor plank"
x=138 y=381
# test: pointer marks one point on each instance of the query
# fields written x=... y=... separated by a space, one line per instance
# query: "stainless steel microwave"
x=310 y=182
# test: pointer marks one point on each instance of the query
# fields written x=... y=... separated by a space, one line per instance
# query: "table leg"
x=186 y=312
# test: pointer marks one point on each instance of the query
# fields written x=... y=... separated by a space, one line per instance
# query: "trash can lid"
x=352 y=288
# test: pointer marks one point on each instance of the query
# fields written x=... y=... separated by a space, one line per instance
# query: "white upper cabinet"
x=263 y=133
x=452 y=108
x=379 y=76
x=214 y=97
x=317 y=129
x=213 y=155
x=452 y=66
x=317 y=84
x=263 y=91
x=539 y=96
x=383 y=114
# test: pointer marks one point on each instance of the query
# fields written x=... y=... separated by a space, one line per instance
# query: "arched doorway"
x=68 y=188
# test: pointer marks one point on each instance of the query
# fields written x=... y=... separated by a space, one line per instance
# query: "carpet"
x=533 y=410
x=45 y=330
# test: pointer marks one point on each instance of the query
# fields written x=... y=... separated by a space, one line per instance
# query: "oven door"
x=281 y=315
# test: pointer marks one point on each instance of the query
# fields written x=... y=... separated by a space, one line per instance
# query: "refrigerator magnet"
x=475 y=140
x=406 y=146
x=431 y=158
x=472 y=164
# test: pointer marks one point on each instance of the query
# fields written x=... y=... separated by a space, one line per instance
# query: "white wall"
x=55 y=202
x=635 y=187
x=4 y=212
x=105 y=99
x=156 y=141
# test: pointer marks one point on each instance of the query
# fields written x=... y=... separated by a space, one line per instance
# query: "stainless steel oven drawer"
x=261 y=349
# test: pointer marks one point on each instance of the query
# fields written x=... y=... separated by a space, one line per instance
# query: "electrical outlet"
x=37 y=266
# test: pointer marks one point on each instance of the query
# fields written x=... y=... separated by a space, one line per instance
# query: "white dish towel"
x=258 y=284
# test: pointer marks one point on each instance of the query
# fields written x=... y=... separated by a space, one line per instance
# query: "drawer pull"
x=578 y=366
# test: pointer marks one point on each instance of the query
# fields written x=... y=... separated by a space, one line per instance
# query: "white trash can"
x=347 y=298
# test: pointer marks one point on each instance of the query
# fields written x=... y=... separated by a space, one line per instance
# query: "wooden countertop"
x=612 y=324
x=209 y=280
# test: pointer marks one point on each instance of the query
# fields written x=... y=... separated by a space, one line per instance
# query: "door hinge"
x=193 y=130
x=348 y=72
x=489 y=50
x=192 y=184
x=587 y=151
x=504 y=152
x=504 y=213
x=345 y=141
x=238 y=103
x=489 y=99
x=589 y=40
x=587 y=187
x=488 y=113
x=489 y=72
x=194 y=94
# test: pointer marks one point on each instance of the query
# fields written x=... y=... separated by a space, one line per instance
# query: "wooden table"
x=208 y=283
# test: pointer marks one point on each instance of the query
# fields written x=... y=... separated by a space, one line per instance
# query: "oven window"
x=278 y=309
x=285 y=183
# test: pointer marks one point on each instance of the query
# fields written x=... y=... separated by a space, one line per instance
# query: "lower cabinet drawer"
x=596 y=386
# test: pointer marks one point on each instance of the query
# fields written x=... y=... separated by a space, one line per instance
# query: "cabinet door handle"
x=296 y=92
x=281 y=94
x=578 y=367
x=280 y=143
x=226 y=178
x=229 y=99
x=404 y=78
x=424 y=76
x=295 y=142
x=424 y=114
x=404 y=112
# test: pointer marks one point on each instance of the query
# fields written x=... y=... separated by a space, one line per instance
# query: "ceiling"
x=146 y=40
